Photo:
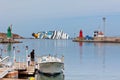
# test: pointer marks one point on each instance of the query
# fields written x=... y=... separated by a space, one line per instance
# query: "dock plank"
x=30 y=69
x=23 y=69
x=20 y=65
x=12 y=79
x=4 y=71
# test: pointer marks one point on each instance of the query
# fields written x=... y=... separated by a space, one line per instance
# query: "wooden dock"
x=19 y=69
x=20 y=66
x=23 y=69
x=12 y=79
x=4 y=72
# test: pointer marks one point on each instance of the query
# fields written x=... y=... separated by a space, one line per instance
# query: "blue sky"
x=29 y=16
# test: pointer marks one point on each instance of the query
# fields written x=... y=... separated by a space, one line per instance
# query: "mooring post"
x=14 y=58
x=26 y=54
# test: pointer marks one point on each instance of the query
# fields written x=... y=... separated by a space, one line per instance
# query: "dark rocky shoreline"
x=4 y=39
x=15 y=36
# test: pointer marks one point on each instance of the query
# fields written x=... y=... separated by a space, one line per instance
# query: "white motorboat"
x=51 y=64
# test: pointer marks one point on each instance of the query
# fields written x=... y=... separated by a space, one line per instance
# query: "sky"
x=28 y=16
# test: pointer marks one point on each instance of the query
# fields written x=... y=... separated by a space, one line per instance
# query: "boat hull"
x=51 y=68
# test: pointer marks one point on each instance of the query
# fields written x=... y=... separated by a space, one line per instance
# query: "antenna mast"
x=104 y=20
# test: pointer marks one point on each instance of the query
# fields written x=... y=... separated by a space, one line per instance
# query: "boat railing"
x=17 y=63
x=5 y=62
x=50 y=58
x=4 y=59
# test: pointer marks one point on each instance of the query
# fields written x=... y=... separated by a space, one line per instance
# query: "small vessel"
x=50 y=65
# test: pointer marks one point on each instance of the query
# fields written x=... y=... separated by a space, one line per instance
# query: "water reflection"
x=9 y=48
x=100 y=51
x=45 y=77
x=1 y=52
x=80 y=44
x=81 y=51
x=98 y=54
x=6 y=50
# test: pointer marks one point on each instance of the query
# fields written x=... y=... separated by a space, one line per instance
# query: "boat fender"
x=32 y=78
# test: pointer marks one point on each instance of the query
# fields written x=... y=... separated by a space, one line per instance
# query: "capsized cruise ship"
x=51 y=35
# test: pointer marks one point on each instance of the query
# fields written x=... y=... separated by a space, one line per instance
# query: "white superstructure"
x=51 y=35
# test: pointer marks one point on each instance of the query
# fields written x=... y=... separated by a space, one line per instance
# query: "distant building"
x=98 y=34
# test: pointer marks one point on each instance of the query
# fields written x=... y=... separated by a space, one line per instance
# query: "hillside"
x=15 y=36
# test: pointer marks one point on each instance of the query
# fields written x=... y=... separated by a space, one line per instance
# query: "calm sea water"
x=83 y=61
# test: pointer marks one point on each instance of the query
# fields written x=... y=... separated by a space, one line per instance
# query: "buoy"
x=32 y=78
